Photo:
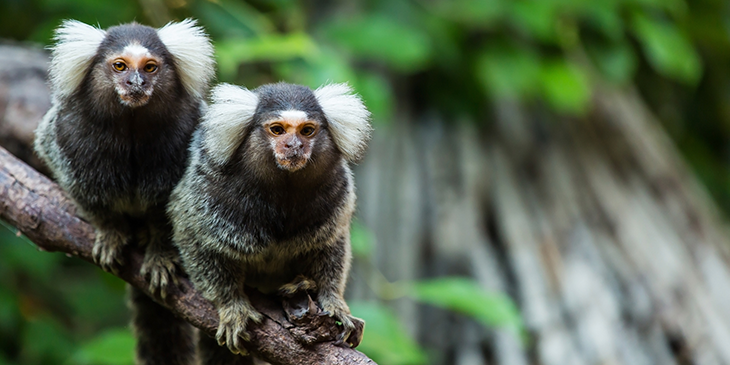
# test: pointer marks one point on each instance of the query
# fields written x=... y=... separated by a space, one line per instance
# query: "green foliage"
x=386 y=342
x=44 y=341
x=454 y=57
x=271 y=48
x=113 y=347
x=51 y=305
x=466 y=296
x=668 y=49
x=565 y=86
x=509 y=70
x=382 y=38
x=361 y=240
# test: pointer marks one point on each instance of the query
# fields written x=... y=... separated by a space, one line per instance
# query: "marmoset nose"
x=136 y=80
x=292 y=143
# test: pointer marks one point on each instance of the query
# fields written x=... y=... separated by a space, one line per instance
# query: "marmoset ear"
x=230 y=112
x=348 y=119
x=75 y=48
x=193 y=54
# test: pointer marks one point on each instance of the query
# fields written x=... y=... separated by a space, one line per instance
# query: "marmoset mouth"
x=292 y=164
x=134 y=99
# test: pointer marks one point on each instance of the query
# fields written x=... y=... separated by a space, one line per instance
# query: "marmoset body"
x=125 y=102
x=268 y=198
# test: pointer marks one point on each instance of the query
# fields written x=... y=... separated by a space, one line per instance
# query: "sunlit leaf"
x=466 y=296
x=383 y=38
x=385 y=340
x=234 y=51
x=565 y=87
x=113 y=347
x=668 y=49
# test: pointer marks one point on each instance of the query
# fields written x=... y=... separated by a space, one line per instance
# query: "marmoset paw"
x=107 y=251
x=234 y=319
x=300 y=283
x=352 y=327
x=352 y=330
x=160 y=269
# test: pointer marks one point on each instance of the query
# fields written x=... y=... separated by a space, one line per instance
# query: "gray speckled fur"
x=120 y=163
x=239 y=219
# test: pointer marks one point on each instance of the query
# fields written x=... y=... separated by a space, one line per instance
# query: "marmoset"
x=125 y=102
x=268 y=197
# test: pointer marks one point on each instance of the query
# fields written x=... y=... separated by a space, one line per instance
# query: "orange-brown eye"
x=307 y=131
x=277 y=130
x=150 y=67
x=119 y=66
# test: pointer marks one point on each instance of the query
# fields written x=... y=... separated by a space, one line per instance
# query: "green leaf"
x=474 y=13
x=508 y=71
x=234 y=51
x=565 y=87
x=537 y=18
x=377 y=93
x=20 y=255
x=617 y=62
x=677 y=8
x=361 y=239
x=466 y=296
x=605 y=17
x=3 y=360
x=382 y=38
x=92 y=300
x=113 y=347
x=9 y=311
x=385 y=340
x=44 y=340
x=325 y=67
x=668 y=49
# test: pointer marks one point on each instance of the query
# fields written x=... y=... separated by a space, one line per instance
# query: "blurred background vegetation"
x=458 y=57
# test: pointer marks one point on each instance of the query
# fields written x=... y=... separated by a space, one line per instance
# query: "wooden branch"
x=40 y=210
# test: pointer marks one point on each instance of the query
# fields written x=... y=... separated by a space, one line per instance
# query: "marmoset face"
x=134 y=72
x=291 y=135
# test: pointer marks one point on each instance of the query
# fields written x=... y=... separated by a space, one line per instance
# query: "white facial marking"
x=136 y=50
x=293 y=115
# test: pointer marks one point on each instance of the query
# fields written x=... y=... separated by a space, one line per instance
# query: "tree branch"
x=40 y=210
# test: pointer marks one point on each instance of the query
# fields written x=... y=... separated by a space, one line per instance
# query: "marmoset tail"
x=125 y=102
x=268 y=197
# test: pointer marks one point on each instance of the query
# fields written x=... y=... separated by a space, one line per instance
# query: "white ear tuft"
x=348 y=119
x=193 y=54
x=75 y=48
x=231 y=110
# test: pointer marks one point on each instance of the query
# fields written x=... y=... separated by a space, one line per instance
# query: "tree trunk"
x=610 y=246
